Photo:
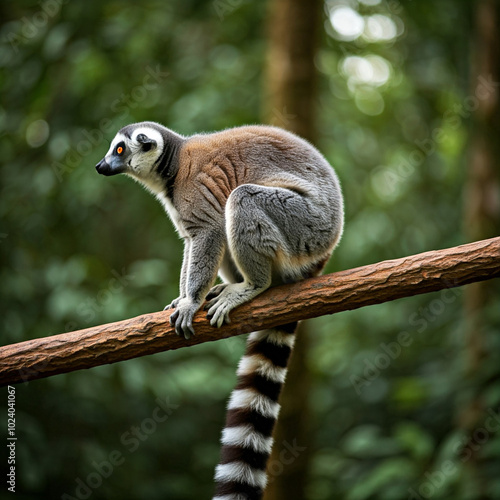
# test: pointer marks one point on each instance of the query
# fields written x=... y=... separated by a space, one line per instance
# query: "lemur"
x=259 y=206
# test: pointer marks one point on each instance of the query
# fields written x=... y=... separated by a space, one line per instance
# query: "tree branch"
x=332 y=293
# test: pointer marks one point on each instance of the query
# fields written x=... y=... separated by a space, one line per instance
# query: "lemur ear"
x=146 y=142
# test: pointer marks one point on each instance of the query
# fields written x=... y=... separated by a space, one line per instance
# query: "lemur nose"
x=100 y=165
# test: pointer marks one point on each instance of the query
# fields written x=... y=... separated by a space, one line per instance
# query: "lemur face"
x=132 y=151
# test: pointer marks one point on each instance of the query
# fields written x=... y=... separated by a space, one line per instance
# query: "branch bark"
x=332 y=293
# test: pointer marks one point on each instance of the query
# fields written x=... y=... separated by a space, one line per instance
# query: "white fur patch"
x=172 y=213
x=240 y=472
x=151 y=133
x=246 y=437
x=118 y=138
x=262 y=366
x=248 y=399
x=152 y=183
x=139 y=164
x=274 y=337
x=236 y=496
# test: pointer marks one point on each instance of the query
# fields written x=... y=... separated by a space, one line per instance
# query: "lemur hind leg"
x=229 y=274
x=260 y=226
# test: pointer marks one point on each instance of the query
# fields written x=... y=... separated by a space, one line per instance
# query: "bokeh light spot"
x=347 y=23
x=37 y=133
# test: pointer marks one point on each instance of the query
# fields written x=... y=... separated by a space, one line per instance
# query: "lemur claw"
x=182 y=319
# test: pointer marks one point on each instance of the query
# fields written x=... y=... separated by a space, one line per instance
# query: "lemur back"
x=261 y=207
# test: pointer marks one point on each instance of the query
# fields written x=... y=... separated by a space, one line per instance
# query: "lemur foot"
x=215 y=291
x=182 y=318
x=230 y=297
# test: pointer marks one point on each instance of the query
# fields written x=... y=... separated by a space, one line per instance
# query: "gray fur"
x=256 y=204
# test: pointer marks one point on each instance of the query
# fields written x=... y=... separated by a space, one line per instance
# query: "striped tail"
x=252 y=412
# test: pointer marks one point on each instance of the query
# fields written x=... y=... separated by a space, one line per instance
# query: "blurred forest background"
x=396 y=401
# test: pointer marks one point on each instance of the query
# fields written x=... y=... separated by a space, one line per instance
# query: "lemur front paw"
x=173 y=304
x=182 y=317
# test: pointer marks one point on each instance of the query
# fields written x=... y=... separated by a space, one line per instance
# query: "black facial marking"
x=119 y=149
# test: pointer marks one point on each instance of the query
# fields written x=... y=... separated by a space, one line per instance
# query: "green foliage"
x=79 y=250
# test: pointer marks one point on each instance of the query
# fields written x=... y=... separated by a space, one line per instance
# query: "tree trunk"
x=482 y=219
x=482 y=197
x=290 y=103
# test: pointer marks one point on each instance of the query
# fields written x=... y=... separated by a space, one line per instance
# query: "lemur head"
x=135 y=151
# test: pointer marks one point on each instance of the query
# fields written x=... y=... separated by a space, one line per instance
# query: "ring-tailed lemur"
x=260 y=206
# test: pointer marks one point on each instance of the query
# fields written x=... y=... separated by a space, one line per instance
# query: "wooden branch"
x=345 y=290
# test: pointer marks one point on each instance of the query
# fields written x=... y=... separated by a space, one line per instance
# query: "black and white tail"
x=252 y=412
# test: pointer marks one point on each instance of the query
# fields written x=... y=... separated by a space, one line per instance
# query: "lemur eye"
x=120 y=148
